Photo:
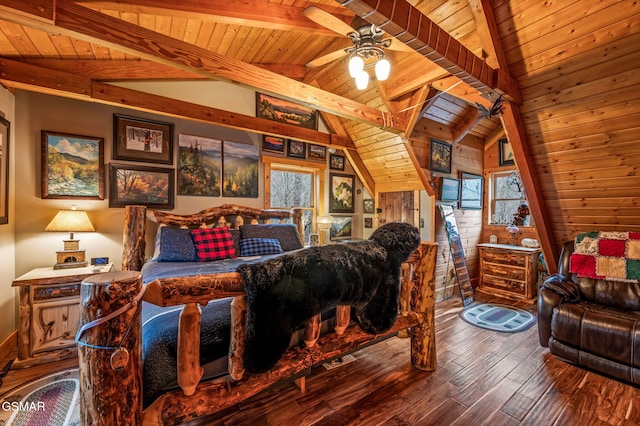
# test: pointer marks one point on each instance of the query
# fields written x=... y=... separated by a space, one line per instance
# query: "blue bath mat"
x=498 y=317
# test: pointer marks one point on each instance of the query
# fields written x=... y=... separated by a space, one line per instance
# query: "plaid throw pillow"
x=260 y=246
x=213 y=244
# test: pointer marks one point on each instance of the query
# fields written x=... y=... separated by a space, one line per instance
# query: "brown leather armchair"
x=593 y=323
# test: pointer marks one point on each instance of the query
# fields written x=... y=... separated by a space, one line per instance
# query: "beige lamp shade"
x=324 y=222
x=70 y=221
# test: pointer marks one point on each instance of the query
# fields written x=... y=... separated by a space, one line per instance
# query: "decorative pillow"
x=213 y=244
x=174 y=245
x=260 y=246
x=286 y=233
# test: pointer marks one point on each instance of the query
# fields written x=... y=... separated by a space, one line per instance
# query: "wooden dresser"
x=509 y=271
x=50 y=313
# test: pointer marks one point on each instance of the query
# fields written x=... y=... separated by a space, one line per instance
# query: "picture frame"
x=72 y=166
x=316 y=152
x=153 y=187
x=296 y=149
x=336 y=162
x=273 y=144
x=368 y=222
x=440 y=156
x=341 y=193
x=505 y=153
x=471 y=191
x=341 y=228
x=284 y=111
x=143 y=140
x=5 y=133
x=240 y=169
x=199 y=166
x=368 y=206
x=449 y=189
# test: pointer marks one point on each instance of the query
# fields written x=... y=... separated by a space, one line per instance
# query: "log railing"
x=197 y=399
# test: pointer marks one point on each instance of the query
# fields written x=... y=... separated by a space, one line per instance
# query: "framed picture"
x=240 y=169
x=297 y=149
x=273 y=144
x=336 y=162
x=4 y=170
x=139 y=139
x=471 y=187
x=368 y=206
x=340 y=228
x=284 y=111
x=199 y=166
x=449 y=189
x=505 y=153
x=440 y=158
x=341 y=196
x=317 y=152
x=368 y=222
x=149 y=186
x=72 y=166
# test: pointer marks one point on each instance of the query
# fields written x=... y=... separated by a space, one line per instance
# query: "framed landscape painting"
x=317 y=152
x=440 y=158
x=149 y=186
x=284 y=111
x=505 y=152
x=296 y=149
x=4 y=170
x=72 y=166
x=139 y=139
x=199 y=166
x=273 y=144
x=471 y=187
x=341 y=197
x=341 y=228
x=240 y=165
x=449 y=189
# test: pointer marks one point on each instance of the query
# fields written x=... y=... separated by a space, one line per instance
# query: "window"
x=292 y=187
x=507 y=196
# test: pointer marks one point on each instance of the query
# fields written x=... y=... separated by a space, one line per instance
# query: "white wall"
x=7 y=232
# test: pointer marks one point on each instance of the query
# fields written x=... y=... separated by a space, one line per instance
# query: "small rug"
x=46 y=401
x=498 y=317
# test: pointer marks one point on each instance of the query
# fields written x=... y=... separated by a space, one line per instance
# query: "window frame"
x=491 y=205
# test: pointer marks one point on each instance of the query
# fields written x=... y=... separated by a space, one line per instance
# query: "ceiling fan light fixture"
x=382 y=69
x=362 y=79
x=356 y=65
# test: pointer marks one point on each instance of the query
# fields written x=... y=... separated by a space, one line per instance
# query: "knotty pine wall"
x=467 y=156
x=576 y=63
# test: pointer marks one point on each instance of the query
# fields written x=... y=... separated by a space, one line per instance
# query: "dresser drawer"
x=503 y=258
x=501 y=283
x=505 y=271
x=45 y=293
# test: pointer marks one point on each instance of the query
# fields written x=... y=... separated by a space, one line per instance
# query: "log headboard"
x=134 y=241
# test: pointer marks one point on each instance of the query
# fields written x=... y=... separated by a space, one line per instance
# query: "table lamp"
x=70 y=221
x=324 y=224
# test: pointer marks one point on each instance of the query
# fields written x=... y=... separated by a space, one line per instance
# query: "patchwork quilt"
x=607 y=255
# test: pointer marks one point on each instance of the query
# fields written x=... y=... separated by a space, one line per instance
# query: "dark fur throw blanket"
x=283 y=292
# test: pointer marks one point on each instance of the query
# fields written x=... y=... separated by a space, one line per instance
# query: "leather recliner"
x=593 y=323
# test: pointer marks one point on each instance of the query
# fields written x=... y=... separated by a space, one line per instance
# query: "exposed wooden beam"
x=513 y=126
x=461 y=90
x=414 y=113
x=361 y=170
x=87 y=24
x=409 y=75
x=38 y=79
x=487 y=29
x=464 y=126
x=426 y=180
x=416 y=30
x=253 y=13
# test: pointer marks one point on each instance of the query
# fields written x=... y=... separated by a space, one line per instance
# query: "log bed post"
x=423 y=335
x=189 y=370
x=236 y=346
x=134 y=244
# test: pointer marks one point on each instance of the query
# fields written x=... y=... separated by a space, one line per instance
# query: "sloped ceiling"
x=569 y=71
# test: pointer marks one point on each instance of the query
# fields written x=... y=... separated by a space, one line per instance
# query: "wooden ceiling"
x=569 y=71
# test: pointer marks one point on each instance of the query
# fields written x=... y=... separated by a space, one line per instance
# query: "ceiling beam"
x=87 y=24
x=461 y=90
x=30 y=77
x=416 y=30
x=415 y=110
x=252 y=13
x=464 y=126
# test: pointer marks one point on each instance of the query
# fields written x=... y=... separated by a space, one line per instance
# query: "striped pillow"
x=259 y=246
x=213 y=244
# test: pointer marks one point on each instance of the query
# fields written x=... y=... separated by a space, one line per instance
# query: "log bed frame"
x=196 y=398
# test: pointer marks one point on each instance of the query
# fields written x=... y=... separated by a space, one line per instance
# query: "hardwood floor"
x=483 y=377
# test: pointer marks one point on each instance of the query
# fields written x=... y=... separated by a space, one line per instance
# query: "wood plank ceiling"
x=574 y=65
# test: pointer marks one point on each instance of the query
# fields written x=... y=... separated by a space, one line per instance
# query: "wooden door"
x=398 y=207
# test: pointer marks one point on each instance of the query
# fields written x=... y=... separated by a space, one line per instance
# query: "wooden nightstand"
x=50 y=313
x=509 y=271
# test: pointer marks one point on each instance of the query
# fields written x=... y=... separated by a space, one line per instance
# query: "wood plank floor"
x=483 y=377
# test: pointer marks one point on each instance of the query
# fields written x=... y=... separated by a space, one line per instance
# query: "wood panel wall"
x=467 y=156
x=577 y=66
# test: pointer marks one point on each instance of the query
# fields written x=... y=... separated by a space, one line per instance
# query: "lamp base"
x=69 y=265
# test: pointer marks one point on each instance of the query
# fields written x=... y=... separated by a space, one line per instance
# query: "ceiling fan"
x=368 y=40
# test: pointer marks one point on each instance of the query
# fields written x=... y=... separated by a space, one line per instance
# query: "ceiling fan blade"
x=325 y=59
x=327 y=20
